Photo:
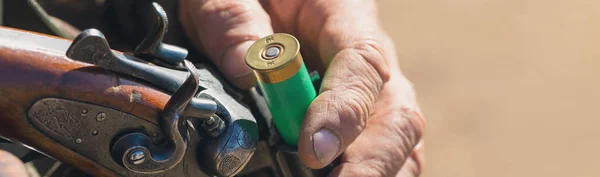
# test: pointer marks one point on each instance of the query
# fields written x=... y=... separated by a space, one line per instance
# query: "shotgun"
x=108 y=123
x=147 y=113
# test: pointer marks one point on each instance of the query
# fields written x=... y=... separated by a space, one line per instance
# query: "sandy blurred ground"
x=508 y=87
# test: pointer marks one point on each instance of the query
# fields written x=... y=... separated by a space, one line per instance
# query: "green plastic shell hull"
x=288 y=102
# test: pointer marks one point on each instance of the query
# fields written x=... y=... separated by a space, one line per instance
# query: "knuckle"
x=371 y=51
x=357 y=83
x=370 y=168
x=409 y=127
x=232 y=13
x=360 y=82
x=225 y=9
x=362 y=169
x=410 y=168
x=405 y=117
x=364 y=69
x=225 y=23
x=355 y=100
x=357 y=109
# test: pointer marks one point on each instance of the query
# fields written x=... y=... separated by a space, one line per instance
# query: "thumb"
x=224 y=30
x=339 y=114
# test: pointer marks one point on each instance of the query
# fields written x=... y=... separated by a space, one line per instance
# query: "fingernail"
x=326 y=145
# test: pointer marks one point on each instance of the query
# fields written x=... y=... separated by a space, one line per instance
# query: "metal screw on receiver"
x=137 y=157
x=214 y=126
x=179 y=108
x=100 y=117
x=210 y=121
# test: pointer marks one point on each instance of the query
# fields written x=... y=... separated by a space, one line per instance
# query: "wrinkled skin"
x=365 y=102
x=366 y=108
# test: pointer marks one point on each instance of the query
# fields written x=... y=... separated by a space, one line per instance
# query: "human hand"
x=11 y=166
x=366 y=107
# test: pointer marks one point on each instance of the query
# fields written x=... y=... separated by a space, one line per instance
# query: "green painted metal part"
x=288 y=102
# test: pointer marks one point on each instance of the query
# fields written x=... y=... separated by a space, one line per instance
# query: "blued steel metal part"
x=228 y=156
x=130 y=21
x=173 y=126
x=213 y=126
x=73 y=123
x=137 y=157
x=152 y=46
x=91 y=47
x=223 y=155
x=227 y=153
x=65 y=122
x=284 y=82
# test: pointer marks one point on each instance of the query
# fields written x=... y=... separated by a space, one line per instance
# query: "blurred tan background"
x=508 y=87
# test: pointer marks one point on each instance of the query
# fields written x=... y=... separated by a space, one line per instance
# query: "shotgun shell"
x=284 y=81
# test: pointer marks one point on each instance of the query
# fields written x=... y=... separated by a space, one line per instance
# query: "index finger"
x=224 y=30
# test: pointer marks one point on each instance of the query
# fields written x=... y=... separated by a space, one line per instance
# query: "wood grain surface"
x=28 y=74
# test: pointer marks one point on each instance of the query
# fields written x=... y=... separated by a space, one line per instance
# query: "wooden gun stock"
x=34 y=66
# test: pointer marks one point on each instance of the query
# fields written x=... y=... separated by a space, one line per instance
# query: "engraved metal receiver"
x=136 y=152
x=200 y=126
x=108 y=117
